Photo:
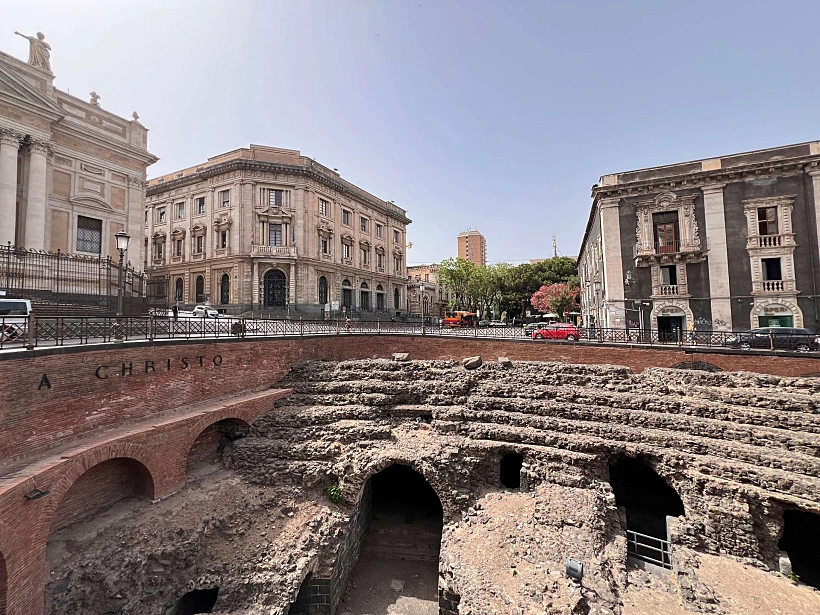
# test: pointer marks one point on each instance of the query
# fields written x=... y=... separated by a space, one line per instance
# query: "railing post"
x=150 y=327
x=31 y=324
x=771 y=340
x=378 y=325
x=301 y=326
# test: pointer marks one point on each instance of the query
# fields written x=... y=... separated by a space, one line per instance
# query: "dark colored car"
x=783 y=338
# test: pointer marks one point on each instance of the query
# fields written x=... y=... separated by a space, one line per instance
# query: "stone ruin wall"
x=738 y=448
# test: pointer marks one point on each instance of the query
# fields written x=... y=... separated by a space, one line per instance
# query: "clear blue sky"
x=491 y=115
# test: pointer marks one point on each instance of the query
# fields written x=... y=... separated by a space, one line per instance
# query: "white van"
x=14 y=319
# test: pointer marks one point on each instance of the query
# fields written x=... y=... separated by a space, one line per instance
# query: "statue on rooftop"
x=95 y=99
x=39 y=51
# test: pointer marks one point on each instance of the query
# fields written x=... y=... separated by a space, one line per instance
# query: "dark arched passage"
x=211 y=442
x=801 y=541
x=510 y=470
x=199 y=287
x=196 y=601
x=646 y=496
x=275 y=284
x=401 y=543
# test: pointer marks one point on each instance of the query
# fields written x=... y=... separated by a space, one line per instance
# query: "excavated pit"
x=740 y=451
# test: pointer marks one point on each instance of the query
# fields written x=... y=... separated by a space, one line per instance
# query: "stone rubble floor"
x=372 y=589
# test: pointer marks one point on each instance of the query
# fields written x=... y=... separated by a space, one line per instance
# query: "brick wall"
x=3 y=579
x=94 y=389
x=101 y=486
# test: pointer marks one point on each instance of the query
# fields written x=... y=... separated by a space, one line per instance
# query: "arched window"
x=178 y=290
x=396 y=298
x=225 y=289
x=347 y=295
x=323 y=290
x=200 y=289
x=364 y=297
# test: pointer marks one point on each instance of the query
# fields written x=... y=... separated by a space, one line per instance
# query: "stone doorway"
x=801 y=542
x=397 y=570
x=275 y=289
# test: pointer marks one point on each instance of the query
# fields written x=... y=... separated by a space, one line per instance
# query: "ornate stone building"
x=723 y=244
x=71 y=173
x=425 y=296
x=263 y=228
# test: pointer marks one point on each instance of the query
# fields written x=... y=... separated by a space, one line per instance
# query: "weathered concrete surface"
x=738 y=448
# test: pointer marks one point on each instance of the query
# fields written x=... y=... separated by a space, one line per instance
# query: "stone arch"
x=785 y=302
x=667 y=303
x=179 y=287
x=81 y=464
x=199 y=289
x=208 y=442
x=274 y=288
x=357 y=483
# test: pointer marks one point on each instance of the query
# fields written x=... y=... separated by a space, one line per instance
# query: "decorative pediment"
x=365 y=244
x=273 y=214
x=222 y=223
x=91 y=201
x=178 y=233
x=325 y=230
x=347 y=238
x=380 y=249
x=398 y=252
x=20 y=93
x=158 y=236
x=198 y=229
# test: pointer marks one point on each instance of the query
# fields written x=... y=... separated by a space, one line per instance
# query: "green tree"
x=457 y=274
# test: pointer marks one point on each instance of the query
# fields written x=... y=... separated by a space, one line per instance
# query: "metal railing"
x=38 y=331
x=649 y=549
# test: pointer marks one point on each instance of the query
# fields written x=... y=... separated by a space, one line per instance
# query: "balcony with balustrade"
x=274 y=251
x=774 y=287
x=646 y=254
x=661 y=291
x=757 y=242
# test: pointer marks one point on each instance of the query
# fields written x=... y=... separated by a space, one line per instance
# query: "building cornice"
x=81 y=132
x=248 y=167
x=688 y=181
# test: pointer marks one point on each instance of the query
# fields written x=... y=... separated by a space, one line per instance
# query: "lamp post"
x=122 y=245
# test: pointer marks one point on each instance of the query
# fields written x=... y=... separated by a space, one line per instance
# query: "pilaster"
x=814 y=172
x=718 y=259
x=136 y=221
x=613 y=262
x=39 y=152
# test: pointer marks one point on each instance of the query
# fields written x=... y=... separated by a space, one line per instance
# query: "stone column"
x=37 y=195
x=210 y=234
x=9 y=146
x=814 y=172
x=718 y=260
x=255 y=284
x=613 y=262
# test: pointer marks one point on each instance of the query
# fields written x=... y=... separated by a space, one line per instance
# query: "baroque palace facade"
x=722 y=244
x=264 y=228
x=71 y=174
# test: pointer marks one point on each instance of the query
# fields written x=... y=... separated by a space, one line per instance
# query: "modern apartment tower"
x=472 y=247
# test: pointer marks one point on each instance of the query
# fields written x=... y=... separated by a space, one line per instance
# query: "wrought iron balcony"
x=286 y=251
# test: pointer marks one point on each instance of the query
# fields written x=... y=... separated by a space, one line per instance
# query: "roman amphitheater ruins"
x=324 y=474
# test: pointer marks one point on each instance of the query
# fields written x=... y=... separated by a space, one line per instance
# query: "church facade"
x=71 y=173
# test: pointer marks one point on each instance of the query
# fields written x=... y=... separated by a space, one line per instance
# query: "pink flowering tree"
x=557 y=298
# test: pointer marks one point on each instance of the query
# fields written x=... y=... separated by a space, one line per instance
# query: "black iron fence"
x=35 y=331
x=60 y=284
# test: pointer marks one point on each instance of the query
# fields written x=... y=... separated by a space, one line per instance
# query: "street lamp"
x=122 y=245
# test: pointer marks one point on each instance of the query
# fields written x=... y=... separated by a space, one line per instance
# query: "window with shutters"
x=346 y=251
x=324 y=207
x=89 y=235
x=276 y=198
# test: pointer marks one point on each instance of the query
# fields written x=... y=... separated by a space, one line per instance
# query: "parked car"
x=496 y=323
x=532 y=327
x=14 y=319
x=557 y=331
x=204 y=311
x=784 y=338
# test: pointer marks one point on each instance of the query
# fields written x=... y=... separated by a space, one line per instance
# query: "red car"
x=556 y=331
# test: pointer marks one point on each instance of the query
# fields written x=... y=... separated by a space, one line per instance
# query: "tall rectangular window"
x=223 y=239
x=180 y=210
x=275 y=198
x=379 y=231
x=365 y=257
x=200 y=205
x=395 y=237
x=158 y=246
x=199 y=242
x=363 y=224
x=324 y=246
x=89 y=235
x=771 y=269
x=146 y=217
x=161 y=215
x=669 y=275
x=397 y=264
x=177 y=247
x=767 y=220
x=380 y=260
x=225 y=198
x=346 y=250
x=345 y=217
x=275 y=235
x=324 y=206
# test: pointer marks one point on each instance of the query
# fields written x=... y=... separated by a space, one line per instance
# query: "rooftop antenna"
x=554 y=247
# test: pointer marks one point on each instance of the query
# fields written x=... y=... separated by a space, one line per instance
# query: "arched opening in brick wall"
x=397 y=570
x=510 y=470
x=100 y=487
x=3 y=584
x=648 y=500
x=207 y=449
x=801 y=542
x=196 y=601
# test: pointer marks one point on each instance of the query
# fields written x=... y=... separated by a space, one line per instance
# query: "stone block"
x=472 y=362
x=401 y=356
x=397 y=585
x=505 y=362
